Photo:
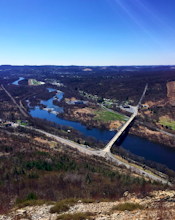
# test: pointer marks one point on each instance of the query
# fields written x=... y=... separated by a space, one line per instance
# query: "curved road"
x=85 y=150
x=101 y=153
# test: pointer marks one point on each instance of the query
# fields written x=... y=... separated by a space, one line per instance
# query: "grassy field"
x=23 y=124
x=167 y=122
x=107 y=116
x=35 y=82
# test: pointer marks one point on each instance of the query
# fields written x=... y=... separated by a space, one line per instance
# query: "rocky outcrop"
x=158 y=205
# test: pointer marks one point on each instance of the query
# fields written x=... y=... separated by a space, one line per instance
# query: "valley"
x=60 y=118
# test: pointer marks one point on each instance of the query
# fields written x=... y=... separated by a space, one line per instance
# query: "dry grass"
x=76 y=216
x=63 y=205
x=34 y=203
x=127 y=206
x=88 y=200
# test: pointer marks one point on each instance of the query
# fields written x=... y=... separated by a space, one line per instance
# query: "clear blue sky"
x=87 y=32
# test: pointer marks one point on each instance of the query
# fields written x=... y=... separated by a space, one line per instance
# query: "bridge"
x=123 y=128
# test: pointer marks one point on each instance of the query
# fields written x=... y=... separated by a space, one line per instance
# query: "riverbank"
x=152 y=135
x=92 y=118
x=74 y=117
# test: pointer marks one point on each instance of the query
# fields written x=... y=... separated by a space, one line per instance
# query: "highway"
x=142 y=95
x=13 y=100
x=101 y=153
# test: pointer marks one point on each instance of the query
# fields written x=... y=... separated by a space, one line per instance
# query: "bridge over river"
x=123 y=128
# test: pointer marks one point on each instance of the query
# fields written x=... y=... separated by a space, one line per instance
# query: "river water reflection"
x=139 y=146
x=16 y=82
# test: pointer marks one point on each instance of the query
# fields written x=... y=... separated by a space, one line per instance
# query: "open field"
x=171 y=89
x=107 y=116
x=166 y=121
x=34 y=82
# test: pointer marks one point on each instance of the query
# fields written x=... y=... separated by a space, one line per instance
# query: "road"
x=113 y=140
x=142 y=95
x=13 y=100
x=134 y=110
x=101 y=153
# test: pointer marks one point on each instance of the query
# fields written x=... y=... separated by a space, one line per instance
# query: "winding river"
x=16 y=82
x=139 y=146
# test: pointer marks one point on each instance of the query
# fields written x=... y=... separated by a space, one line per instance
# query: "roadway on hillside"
x=85 y=150
x=14 y=101
x=101 y=153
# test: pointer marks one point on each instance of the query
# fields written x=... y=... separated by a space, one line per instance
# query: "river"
x=136 y=145
x=16 y=82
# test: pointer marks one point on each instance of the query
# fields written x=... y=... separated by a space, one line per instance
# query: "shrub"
x=24 y=203
x=59 y=207
x=88 y=200
x=31 y=196
x=107 y=200
x=128 y=206
x=63 y=206
x=76 y=216
x=87 y=179
x=33 y=176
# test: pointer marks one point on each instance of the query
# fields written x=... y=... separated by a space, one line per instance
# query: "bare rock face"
x=157 y=205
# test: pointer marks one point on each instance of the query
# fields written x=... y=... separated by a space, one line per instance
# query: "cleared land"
x=33 y=82
x=171 y=89
x=107 y=116
x=166 y=121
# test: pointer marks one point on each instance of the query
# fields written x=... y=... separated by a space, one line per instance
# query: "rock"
x=125 y=194
x=45 y=218
x=21 y=211
x=137 y=200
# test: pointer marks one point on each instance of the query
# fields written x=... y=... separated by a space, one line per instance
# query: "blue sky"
x=87 y=32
